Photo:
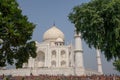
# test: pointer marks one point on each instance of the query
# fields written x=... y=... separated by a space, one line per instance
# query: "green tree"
x=15 y=35
x=117 y=64
x=99 y=23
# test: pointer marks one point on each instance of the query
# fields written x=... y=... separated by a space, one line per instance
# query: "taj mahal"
x=54 y=57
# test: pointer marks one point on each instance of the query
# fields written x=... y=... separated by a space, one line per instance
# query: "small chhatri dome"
x=59 y=40
x=52 y=34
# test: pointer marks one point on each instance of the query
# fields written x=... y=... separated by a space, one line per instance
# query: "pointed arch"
x=53 y=54
x=63 y=54
x=63 y=63
x=53 y=63
x=40 y=59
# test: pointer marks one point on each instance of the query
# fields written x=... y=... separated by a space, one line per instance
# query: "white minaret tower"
x=78 y=55
x=99 y=61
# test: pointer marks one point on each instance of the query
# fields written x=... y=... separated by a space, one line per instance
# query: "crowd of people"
x=61 y=77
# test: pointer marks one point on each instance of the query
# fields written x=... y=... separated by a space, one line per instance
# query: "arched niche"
x=53 y=63
x=63 y=54
x=63 y=63
x=40 y=59
x=53 y=54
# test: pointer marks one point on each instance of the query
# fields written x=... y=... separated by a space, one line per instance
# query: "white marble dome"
x=52 y=34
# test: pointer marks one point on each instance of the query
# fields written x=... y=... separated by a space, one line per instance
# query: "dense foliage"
x=99 y=23
x=15 y=35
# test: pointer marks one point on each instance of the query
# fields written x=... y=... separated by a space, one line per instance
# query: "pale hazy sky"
x=44 y=13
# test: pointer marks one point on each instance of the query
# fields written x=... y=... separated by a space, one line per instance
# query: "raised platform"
x=48 y=71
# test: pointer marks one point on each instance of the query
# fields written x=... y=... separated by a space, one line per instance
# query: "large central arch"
x=40 y=59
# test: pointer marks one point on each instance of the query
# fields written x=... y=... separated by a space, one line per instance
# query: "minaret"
x=78 y=55
x=99 y=61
